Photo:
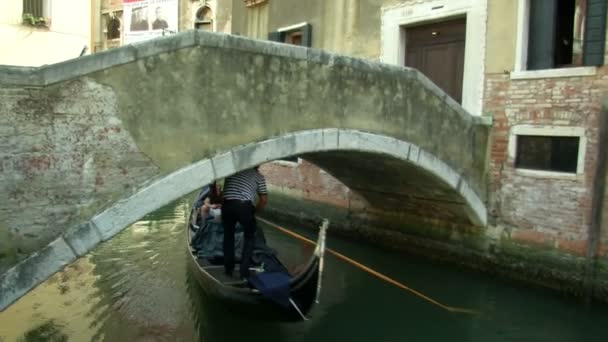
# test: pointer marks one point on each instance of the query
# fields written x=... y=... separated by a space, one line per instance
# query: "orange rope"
x=372 y=272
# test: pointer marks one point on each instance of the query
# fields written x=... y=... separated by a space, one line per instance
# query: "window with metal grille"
x=34 y=7
x=547 y=153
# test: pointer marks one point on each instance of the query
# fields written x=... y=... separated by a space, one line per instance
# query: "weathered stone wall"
x=64 y=154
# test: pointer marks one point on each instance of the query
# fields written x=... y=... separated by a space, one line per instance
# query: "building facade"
x=545 y=96
x=38 y=32
x=119 y=22
x=536 y=67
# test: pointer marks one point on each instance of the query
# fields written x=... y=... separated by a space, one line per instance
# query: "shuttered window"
x=34 y=7
x=556 y=31
x=298 y=36
x=542 y=34
x=595 y=32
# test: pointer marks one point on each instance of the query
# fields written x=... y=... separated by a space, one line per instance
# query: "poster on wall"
x=146 y=19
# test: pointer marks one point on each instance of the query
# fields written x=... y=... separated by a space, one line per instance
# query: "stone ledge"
x=83 y=238
x=32 y=271
x=20 y=76
x=82 y=66
x=152 y=197
x=165 y=44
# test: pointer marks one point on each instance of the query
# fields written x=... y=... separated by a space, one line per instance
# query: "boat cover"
x=208 y=240
x=273 y=286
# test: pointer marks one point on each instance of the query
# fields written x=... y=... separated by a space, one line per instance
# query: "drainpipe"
x=599 y=185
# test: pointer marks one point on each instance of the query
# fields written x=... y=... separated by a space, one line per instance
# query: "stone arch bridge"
x=91 y=145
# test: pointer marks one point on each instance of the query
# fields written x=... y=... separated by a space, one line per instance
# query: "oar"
x=372 y=272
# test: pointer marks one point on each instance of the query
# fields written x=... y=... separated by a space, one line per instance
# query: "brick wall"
x=550 y=210
x=309 y=182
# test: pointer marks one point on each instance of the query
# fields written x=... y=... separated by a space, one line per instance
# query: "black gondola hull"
x=251 y=303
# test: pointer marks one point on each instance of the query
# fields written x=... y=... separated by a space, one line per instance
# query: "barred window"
x=34 y=7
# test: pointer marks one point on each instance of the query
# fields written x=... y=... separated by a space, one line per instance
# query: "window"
x=35 y=12
x=112 y=23
x=252 y=3
x=547 y=153
x=36 y=8
x=565 y=33
x=204 y=19
x=548 y=149
x=294 y=38
x=300 y=34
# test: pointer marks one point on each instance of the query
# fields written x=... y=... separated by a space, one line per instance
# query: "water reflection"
x=138 y=287
x=48 y=331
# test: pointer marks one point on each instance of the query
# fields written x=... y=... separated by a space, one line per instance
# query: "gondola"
x=304 y=286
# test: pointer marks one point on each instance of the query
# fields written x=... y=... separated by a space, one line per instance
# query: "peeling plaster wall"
x=64 y=154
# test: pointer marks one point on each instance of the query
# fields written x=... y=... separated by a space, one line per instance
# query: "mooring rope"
x=372 y=272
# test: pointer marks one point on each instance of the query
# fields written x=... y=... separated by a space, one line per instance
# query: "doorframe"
x=396 y=19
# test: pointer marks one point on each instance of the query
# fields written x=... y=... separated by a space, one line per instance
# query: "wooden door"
x=437 y=50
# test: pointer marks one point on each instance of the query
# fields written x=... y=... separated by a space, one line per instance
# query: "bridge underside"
x=394 y=185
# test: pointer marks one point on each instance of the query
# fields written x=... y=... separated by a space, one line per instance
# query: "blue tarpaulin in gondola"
x=273 y=286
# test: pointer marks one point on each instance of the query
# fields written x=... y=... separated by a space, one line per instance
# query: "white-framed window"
x=548 y=150
x=559 y=38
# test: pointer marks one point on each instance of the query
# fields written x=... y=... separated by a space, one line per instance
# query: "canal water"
x=137 y=287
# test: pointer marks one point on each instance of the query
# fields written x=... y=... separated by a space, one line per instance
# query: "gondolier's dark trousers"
x=243 y=212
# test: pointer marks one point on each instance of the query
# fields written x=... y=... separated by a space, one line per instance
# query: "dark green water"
x=137 y=287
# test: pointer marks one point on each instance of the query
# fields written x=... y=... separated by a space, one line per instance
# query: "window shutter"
x=595 y=33
x=307 y=35
x=274 y=36
x=541 y=42
x=33 y=7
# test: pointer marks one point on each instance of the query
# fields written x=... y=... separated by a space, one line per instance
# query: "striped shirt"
x=244 y=185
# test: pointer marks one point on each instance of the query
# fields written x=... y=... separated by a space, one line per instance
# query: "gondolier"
x=239 y=194
x=263 y=294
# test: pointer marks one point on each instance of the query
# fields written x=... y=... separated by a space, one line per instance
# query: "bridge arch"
x=188 y=179
x=177 y=184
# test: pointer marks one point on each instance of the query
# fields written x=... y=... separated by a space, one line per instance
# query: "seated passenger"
x=208 y=238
